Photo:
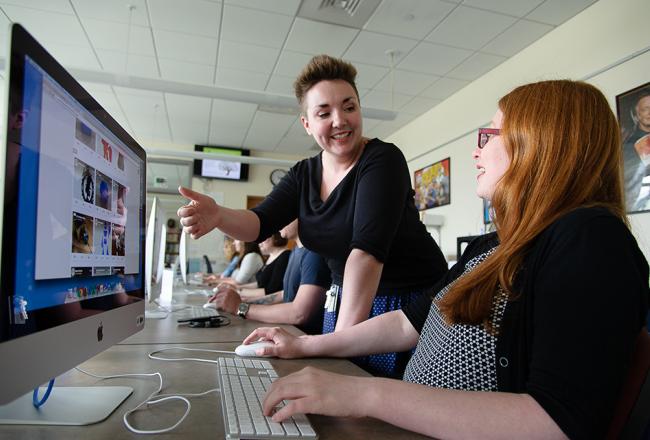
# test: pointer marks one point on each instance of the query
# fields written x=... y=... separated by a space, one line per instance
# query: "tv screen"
x=218 y=168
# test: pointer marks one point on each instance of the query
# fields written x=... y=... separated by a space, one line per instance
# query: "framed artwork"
x=633 y=111
x=431 y=185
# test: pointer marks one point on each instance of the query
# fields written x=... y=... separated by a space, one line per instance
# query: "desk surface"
x=205 y=419
x=168 y=331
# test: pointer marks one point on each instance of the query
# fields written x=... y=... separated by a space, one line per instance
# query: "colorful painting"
x=432 y=187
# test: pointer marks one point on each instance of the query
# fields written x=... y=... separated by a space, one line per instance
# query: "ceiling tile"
x=384 y=100
x=557 y=12
x=115 y=36
x=241 y=79
x=60 y=6
x=443 y=88
x=419 y=105
x=291 y=63
x=196 y=17
x=174 y=45
x=369 y=124
x=297 y=130
x=313 y=37
x=106 y=98
x=476 y=65
x=247 y=57
x=191 y=108
x=484 y=25
x=410 y=18
x=370 y=47
x=134 y=65
x=227 y=136
x=232 y=113
x=368 y=75
x=267 y=130
x=255 y=27
x=518 y=36
x=48 y=27
x=296 y=144
x=186 y=72
x=74 y=56
x=433 y=58
x=145 y=111
x=409 y=83
x=518 y=8
x=185 y=131
x=282 y=85
x=286 y=7
x=114 y=10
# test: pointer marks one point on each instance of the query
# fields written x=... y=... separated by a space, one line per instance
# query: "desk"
x=168 y=331
x=205 y=419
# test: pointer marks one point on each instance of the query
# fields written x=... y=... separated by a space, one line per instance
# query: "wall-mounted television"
x=218 y=168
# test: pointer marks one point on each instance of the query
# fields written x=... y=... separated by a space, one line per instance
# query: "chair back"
x=208 y=265
x=632 y=413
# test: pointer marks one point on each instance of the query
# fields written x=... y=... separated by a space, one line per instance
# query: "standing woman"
x=355 y=207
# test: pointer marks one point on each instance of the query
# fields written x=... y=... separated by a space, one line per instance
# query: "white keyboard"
x=244 y=383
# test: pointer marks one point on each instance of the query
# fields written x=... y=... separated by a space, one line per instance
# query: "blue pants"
x=387 y=364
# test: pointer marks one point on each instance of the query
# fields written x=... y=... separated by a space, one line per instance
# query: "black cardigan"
x=567 y=337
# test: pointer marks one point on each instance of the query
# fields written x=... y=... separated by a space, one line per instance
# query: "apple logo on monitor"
x=100 y=332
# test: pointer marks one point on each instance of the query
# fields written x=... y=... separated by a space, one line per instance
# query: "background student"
x=300 y=302
x=530 y=335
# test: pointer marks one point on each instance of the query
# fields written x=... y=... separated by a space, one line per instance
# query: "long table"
x=205 y=419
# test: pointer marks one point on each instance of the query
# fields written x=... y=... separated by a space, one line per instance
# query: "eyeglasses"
x=484 y=135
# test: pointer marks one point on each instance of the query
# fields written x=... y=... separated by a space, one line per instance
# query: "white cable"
x=160 y=397
x=152 y=354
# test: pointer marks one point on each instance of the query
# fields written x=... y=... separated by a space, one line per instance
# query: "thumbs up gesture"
x=200 y=215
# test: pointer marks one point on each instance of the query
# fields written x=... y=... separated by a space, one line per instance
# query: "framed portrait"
x=633 y=111
x=431 y=183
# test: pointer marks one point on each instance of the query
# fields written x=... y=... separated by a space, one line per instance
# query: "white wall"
x=598 y=38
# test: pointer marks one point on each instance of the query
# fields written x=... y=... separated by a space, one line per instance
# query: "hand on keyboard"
x=314 y=391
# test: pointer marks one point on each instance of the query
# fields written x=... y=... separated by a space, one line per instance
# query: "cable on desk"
x=148 y=401
x=152 y=355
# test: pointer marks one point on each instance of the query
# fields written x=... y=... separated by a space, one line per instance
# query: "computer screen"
x=73 y=230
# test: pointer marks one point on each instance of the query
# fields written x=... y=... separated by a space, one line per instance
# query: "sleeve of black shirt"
x=382 y=188
x=589 y=296
x=280 y=207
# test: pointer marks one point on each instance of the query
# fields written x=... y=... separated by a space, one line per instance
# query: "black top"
x=568 y=338
x=271 y=276
x=371 y=209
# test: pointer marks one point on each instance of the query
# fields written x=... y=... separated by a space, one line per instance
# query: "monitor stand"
x=66 y=406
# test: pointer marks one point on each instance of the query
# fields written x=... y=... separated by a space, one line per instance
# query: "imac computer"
x=73 y=236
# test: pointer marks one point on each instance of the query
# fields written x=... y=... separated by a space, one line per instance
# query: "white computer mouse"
x=210 y=305
x=250 y=349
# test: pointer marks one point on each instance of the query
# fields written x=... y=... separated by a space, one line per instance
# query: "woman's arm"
x=390 y=332
x=251 y=263
x=309 y=300
x=203 y=214
x=436 y=412
x=360 y=283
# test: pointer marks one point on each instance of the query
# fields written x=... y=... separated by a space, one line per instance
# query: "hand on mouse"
x=286 y=346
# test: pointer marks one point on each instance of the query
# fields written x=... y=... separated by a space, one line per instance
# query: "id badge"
x=331 y=300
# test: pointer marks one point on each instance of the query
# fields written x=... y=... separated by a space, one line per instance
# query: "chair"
x=208 y=265
x=632 y=413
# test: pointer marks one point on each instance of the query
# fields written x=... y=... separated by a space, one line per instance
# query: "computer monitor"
x=162 y=247
x=73 y=235
x=149 y=249
x=182 y=256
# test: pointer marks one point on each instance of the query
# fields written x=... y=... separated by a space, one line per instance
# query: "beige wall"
x=598 y=38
